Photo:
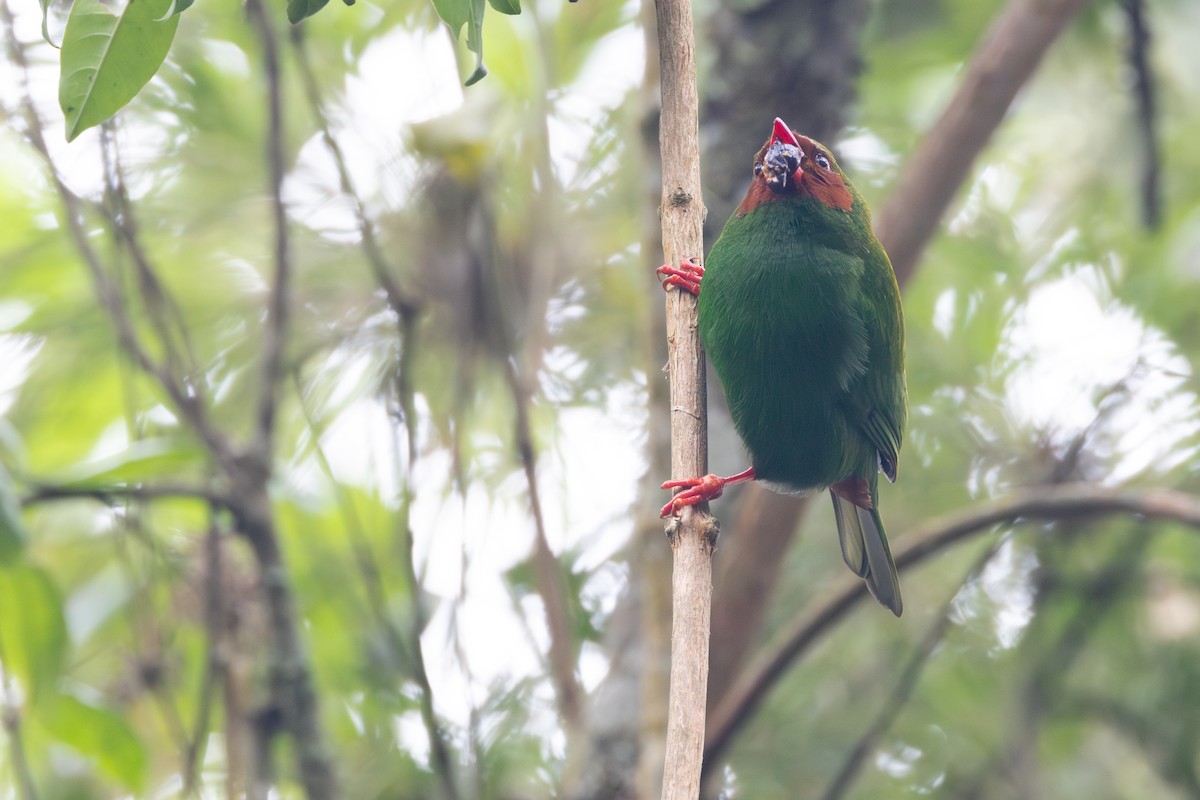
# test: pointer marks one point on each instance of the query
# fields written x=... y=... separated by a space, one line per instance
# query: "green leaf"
x=46 y=21
x=298 y=10
x=107 y=59
x=178 y=7
x=457 y=13
x=34 y=632
x=144 y=459
x=101 y=735
x=506 y=6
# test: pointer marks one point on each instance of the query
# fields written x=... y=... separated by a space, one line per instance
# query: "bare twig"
x=165 y=313
x=1147 y=116
x=214 y=667
x=377 y=602
x=403 y=303
x=277 y=310
x=693 y=535
x=117 y=494
x=932 y=174
x=405 y=415
x=551 y=585
x=1068 y=501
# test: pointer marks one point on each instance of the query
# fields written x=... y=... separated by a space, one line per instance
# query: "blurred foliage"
x=1051 y=338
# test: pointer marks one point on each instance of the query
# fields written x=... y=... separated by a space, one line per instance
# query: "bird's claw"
x=695 y=490
x=686 y=276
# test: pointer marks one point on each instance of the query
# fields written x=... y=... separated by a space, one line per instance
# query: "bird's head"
x=791 y=165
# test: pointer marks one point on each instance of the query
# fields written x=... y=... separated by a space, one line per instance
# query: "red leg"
x=686 y=276
x=701 y=490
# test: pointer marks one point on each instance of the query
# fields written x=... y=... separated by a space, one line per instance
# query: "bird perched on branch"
x=800 y=314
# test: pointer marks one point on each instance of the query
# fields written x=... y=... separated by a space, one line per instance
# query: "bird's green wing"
x=878 y=400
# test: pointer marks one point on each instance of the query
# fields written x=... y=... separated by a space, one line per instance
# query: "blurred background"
x=443 y=550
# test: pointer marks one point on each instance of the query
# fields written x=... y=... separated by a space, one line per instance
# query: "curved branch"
x=1068 y=501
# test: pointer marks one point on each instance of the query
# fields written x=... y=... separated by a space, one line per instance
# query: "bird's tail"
x=865 y=548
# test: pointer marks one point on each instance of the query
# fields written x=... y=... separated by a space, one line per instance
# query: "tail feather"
x=865 y=551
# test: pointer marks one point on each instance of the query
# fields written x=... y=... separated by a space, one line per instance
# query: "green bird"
x=801 y=317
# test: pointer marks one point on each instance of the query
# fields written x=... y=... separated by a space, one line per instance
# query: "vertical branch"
x=214 y=663
x=1147 y=117
x=290 y=668
x=277 y=311
x=551 y=585
x=693 y=537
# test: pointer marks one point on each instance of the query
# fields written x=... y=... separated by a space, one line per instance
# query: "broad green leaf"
x=298 y=10
x=12 y=530
x=100 y=735
x=144 y=459
x=33 y=631
x=107 y=59
x=178 y=7
x=457 y=13
x=506 y=6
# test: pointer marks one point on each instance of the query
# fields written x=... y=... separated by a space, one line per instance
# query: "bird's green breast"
x=788 y=316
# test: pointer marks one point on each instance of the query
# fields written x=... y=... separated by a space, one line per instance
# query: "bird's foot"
x=686 y=276
x=700 y=490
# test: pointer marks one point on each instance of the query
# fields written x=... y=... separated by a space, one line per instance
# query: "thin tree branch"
x=549 y=580
x=377 y=602
x=693 y=535
x=165 y=314
x=407 y=422
x=904 y=686
x=932 y=174
x=1068 y=501
x=214 y=666
x=115 y=494
x=403 y=303
x=1147 y=115
x=275 y=329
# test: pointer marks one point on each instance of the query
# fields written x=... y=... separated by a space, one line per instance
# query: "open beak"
x=782 y=133
x=781 y=161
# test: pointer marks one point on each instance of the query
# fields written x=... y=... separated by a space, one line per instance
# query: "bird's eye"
x=822 y=161
x=758 y=169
